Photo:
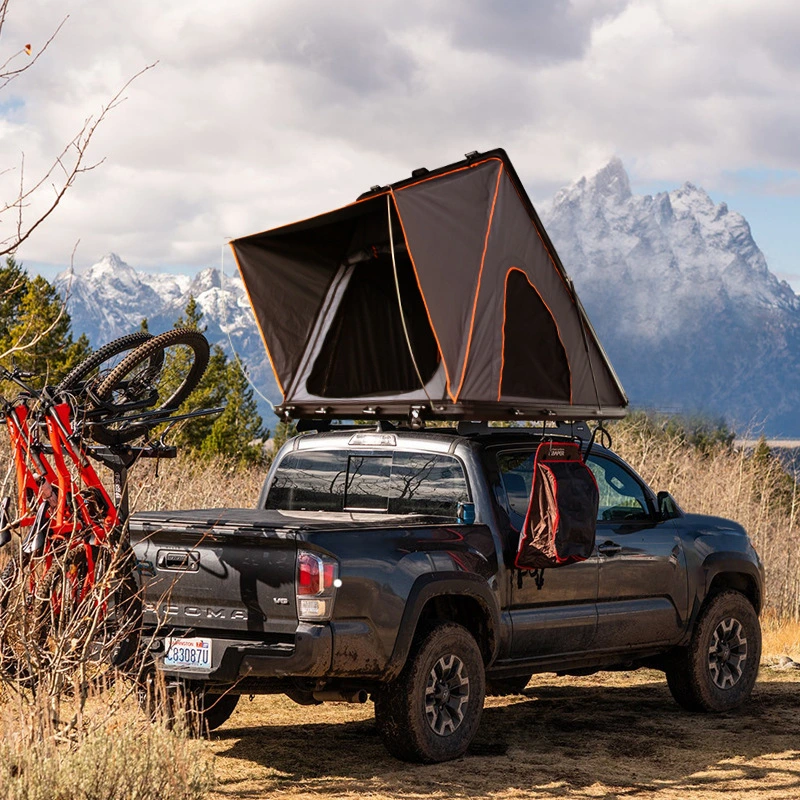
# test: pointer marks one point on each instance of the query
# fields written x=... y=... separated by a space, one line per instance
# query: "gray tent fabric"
x=470 y=315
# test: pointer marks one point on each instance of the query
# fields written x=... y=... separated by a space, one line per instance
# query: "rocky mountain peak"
x=682 y=299
x=611 y=181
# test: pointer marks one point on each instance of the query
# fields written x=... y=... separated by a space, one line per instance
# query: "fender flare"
x=451 y=584
x=733 y=562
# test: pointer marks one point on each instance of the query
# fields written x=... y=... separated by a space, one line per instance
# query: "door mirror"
x=667 y=507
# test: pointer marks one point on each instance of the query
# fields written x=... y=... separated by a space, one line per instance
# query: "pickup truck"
x=378 y=564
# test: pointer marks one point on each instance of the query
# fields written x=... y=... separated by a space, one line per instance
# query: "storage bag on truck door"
x=559 y=526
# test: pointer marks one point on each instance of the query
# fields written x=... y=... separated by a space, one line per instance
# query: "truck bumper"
x=232 y=659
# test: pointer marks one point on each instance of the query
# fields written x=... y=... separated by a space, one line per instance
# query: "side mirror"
x=466 y=513
x=667 y=507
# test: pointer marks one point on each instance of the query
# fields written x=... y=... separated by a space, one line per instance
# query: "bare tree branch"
x=6 y=73
x=71 y=162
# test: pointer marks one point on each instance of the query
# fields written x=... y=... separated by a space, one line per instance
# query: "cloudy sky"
x=260 y=112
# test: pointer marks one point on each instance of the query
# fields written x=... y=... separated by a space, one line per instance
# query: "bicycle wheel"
x=94 y=368
x=183 y=359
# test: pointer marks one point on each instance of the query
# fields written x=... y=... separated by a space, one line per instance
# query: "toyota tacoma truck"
x=379 y=563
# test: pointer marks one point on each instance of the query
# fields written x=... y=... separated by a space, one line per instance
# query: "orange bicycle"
x=70 y=577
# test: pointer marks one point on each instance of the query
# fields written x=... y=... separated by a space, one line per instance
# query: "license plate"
x=190 y=653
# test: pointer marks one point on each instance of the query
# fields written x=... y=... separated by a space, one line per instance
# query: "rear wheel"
x=718 y=669
x=432 y=711
x=117 y=634
x=93 y=369
x=37 y=615
x=163 y=371
x=217 y=709
x=17 y=623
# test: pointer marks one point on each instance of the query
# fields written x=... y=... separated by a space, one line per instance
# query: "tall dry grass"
x=728 y=482
x=111 y=753
x=186 y=482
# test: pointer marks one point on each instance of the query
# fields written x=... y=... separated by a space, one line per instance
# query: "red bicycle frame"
x=52 y=504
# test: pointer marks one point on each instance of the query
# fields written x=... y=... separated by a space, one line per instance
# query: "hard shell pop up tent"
x=438 y=297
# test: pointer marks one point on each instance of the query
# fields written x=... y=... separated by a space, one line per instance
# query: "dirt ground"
x=613 y=735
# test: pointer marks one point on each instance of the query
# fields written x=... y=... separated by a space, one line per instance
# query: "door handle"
x=609 y=548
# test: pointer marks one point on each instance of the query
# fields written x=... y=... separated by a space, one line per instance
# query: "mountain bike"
x=70 y=577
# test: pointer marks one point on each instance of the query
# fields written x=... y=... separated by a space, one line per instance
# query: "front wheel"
x=432 y=710
x=161 y=374
x=718 y=669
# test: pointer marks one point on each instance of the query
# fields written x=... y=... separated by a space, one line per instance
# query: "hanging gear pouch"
x=560 y=523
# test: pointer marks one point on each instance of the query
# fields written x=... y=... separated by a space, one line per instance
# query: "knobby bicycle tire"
x=118 y=431
x=78 y=374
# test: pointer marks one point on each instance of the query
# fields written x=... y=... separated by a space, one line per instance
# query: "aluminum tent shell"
x=441 y=294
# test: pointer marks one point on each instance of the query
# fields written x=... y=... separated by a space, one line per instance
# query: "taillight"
x=317 y=581
x=308 y=572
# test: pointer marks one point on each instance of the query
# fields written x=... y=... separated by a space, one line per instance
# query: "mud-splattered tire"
x=432 y=710
x=718 y=669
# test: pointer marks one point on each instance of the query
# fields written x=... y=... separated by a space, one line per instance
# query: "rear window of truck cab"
x=391 y=483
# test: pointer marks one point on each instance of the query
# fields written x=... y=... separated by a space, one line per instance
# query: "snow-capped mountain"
x=111 y=298
x=682 y=299
x=680 y=295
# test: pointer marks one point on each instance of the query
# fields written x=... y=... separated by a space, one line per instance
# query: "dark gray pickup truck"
x=379 y=563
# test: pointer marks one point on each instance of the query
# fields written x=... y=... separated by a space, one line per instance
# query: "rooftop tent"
x=440 y=295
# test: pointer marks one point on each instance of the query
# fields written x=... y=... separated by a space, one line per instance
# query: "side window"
x=516 y=473
x=621 y=495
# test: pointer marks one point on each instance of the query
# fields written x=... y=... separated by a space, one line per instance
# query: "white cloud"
x=262 y=113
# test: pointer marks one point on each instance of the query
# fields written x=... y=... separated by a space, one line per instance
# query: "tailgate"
x=229 y=569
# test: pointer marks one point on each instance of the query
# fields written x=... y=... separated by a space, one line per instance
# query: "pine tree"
x=35 y=328
x=13 y=286
x=231 y=433
x=211 y=392
x=238 y=432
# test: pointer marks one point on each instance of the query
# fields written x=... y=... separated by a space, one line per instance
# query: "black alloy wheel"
x=728 y=653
